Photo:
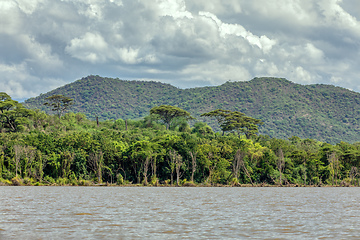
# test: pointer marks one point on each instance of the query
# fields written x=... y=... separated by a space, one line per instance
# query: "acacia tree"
x=220 y=116
x=235 y=121
x=59 y=103
x=13 y=115
x=169 y=113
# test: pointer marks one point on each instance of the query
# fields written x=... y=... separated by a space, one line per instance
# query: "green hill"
x=323 y=112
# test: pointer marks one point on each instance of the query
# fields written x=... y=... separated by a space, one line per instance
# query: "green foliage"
x=322 y=112
x=235 y=121
x=169 y=113
x=13 y=116
x=59 y=103
x=73 y=150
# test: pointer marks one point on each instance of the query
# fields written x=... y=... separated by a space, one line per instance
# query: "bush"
x=62 y=181
x=83 y=182
x=154 y=181
x=189 y=184
x=4 y=182
x=119 y=179
x=16 y=181
x=49 y=180
x=28 y=181
x=234 y=182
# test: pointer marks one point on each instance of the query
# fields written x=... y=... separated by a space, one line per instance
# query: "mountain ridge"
x=323 y=112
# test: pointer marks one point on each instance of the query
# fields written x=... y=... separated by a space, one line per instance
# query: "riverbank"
x=66 y=182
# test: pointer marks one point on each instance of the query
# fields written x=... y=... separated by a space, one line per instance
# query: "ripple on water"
x=173 y=213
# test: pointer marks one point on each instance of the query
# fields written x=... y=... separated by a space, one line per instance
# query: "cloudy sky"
x=45 y=44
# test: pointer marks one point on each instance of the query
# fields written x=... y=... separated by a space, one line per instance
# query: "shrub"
x=154 y=181
x=119 y=179
x=49 y=180
x=16 y=181
x=4 y=182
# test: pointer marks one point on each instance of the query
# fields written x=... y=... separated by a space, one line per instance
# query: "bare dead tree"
x=96 y=164
x=280 y=164
x=2 y=148
x=29 y=154
x=334 y=166
x=242 y=164
x=193 y=161
x=353 y=173
x=239 y=155
x=172 y=160
x=153 y=165
x=178 y=165
x=146 y=168
x=41 y=164
x=211 y=166
x=18 y=150
x=66 y=161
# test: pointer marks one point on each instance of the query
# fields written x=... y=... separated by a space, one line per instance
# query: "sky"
x=45 y=44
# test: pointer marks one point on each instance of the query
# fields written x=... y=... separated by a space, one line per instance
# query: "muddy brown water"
x=179 y=213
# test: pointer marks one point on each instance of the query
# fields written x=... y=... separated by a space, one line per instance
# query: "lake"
x=179 y=213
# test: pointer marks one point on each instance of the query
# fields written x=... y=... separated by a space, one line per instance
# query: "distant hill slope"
x=323 y=112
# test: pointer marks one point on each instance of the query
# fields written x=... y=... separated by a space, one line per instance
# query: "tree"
x=96 y=161
x=13 y=115
x=59 y=103
x=169 y=113
x=237 y=163
x=18 y=152
x=194 y=165
x=353 y=173
x=280 y=164
x=334 y=166
x=220 y=116
x=235 y=121
x=140 y=154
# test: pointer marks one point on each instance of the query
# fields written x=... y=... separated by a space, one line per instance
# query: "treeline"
x=41 y=149
x=323 y=112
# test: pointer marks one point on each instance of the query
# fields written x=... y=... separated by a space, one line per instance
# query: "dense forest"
x=322 y=112
x=162 y=149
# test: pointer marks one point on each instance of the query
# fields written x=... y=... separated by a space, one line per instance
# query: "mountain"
x=322 y=112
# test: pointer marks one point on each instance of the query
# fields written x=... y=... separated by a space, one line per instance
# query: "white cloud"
x=174 y=8
x=90 y=48
x=19 y=83
x=28 y=7
x=11 y=19
x=225 y=29
x=183 y=42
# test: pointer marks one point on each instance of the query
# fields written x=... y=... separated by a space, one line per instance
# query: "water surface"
x=179 y=213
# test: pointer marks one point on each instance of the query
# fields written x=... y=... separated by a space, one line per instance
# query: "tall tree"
x=235 y=121
x=280 y=164
x=220 y=116
x=96 y=162
x=169 y=113
x=13 y=115
x=59 y=103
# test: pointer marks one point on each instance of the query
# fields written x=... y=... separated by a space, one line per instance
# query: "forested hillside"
x=323 y=112
x=40 y=149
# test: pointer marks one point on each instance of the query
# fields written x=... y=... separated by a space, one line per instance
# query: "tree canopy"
x=59 y=103
x=12 y=113
x=169 y=113
x=73 y=150
x=235 y=121
x=287 y=109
